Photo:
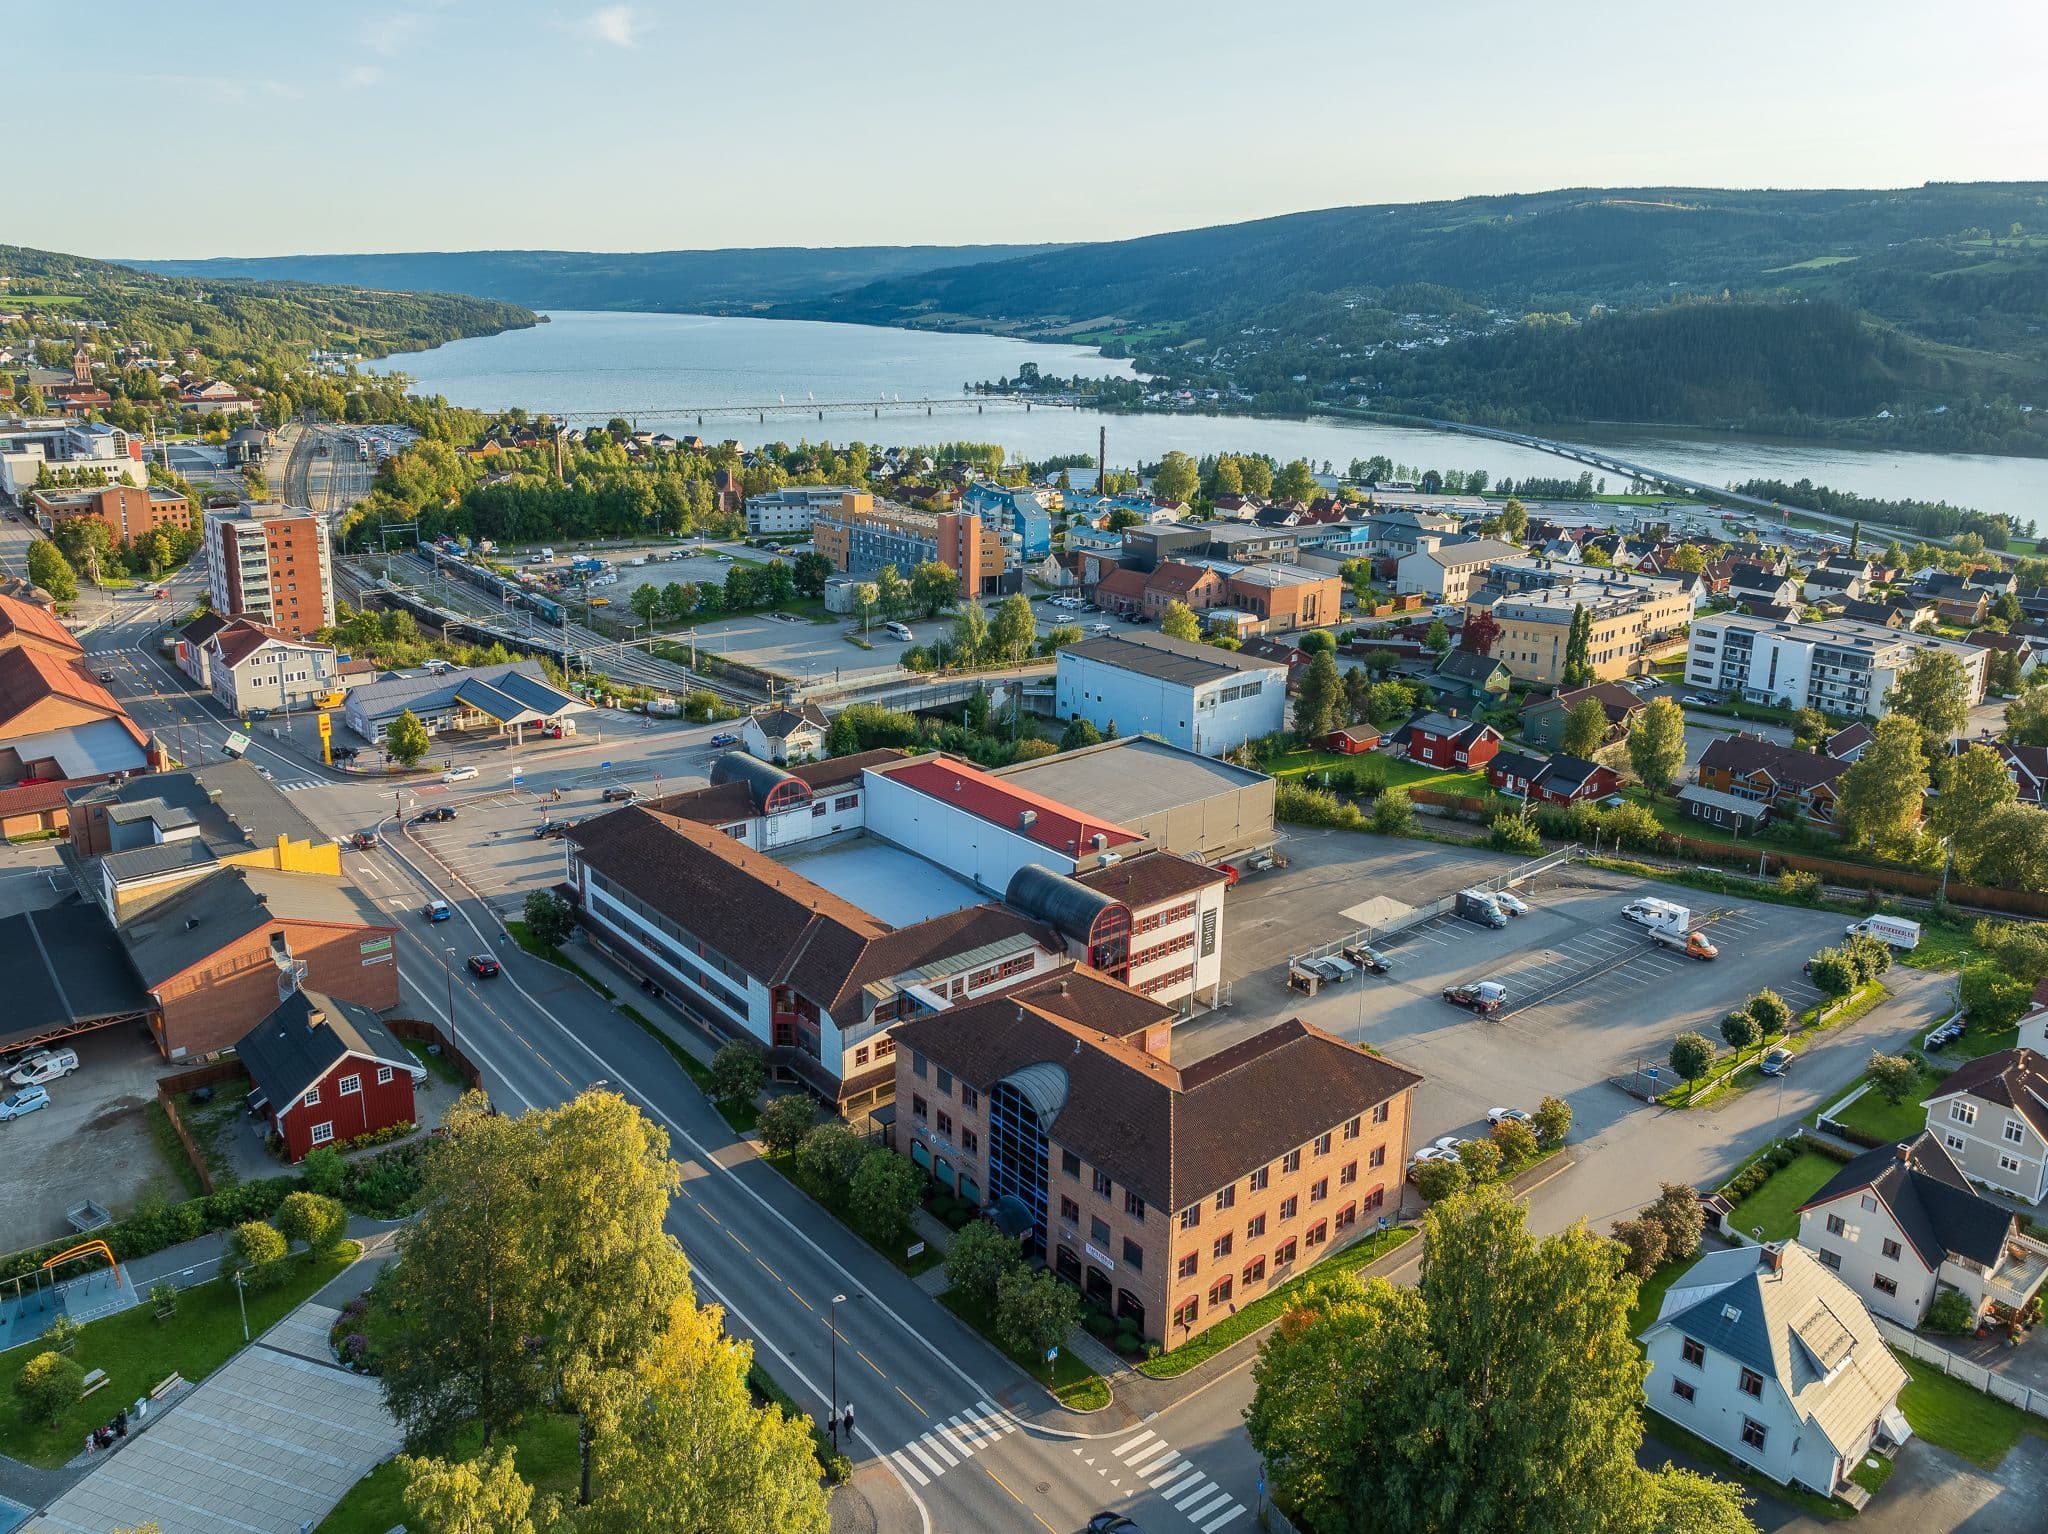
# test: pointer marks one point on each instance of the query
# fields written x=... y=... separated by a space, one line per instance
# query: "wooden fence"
x=1897 y=881
x=170 y=1088
x=430 y=1033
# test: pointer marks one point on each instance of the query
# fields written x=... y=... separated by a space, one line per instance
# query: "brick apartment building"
x=1172 y=1195
x=126 y=511
x=271 y=563
x=860 y=535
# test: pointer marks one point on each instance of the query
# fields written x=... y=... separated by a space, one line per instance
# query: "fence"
x=1415 y=916
x=1897 y=881
x=430 y=1033
x=1956 y=1367
x=170 y=1088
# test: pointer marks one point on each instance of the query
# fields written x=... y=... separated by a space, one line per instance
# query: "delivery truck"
x=1895 y=930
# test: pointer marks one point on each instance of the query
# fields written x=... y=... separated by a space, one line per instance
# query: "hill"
x=671 y=281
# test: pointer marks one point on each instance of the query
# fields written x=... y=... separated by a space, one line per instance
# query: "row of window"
x=1165 y=918
x=1226 y=1196
x=1255 y=1228
x=1966 y=1113
x=882 y=1049
x=347 y=1086
x=1172 y=945
x=1189 y=1310
x=1173 y=977
x=1883 y=1283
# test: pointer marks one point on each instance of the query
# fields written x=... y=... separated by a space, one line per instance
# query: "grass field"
x=544 y=1452
x=1890 y=1121
x=1774 y=1208
x=1967 y=1422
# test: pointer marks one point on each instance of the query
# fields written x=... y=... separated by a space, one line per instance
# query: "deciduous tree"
x=1178 y=621
x=1552 y=1120
x=2026 y=717
x=484 y=1495
x=1933 y=692
x=1881 y=791
x=1966 y=809
x=970 y=634
x=1894 y=1076
x=1656 y=745
x=407 y=739
x=1516 y=1142
x=784 y=1121
x=1585 y=728
x=1319 y=701
x=255 y=1250
x=884 y=1192
x=1015 y=629
x=315 y=1222
x=549 y=918
x=981 y=1253
x=1296 y=482
x=1176 y=478
x=737 y=1074
x=1691 y=1056
x=1738 y=1031
x=1034 y=1311
x=47 y=1384
x=933 y=588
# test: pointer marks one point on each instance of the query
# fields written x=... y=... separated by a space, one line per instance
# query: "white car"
x=46 y=1066
x=1430 y=1153
x=1514 y=905
x=1449 y=1144
x=458 y=774
x=1502 y=1115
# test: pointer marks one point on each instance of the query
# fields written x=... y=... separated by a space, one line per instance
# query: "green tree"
x=866 y=597
x=1058 y=637
x=1676 y=1211
x=1965 y=811
x=1441 y=1179
x=981 y=1253
x=1552 y=1120
x=1454 y=1423
x=1318 y=642
x=883 y=1194
x=1809 y=728
x=970 y=634
x=88 y=546
x=1882 y=789
x=484 y=1495
x=2026 y=717
x=1015 y=629
x=811 y=573
x=1992 y=998
x=646 y=603
x=1179 y=622
x=1177 y=478
x=406 y=739
x=256 y=1251
x=933 y=588
x=1691 y=1056
x=2015 y=849
x=1437 y=640
x=549 y=918
x=737 y=1074
x=784 y=1122
x=1643 y=1240
x=1034 y=1311
x=1894 y=1076
x=314 y=1222
x=1833 y=973
x=1481 y=1160
x=1578 y=669
x=1770 y=1013
x=829 y=1156
x=1514 y=520
x=47 y=1384
x=1319 y=701
x=1079 y=733
x=49 y=569
x=678 y=601
x=1656 y=745
x=892 y=593
x=1738 y=1031
x=1585 y=728
x=1393 y=812
x=1516 y=1142
x=2021 y=948
x=1296 y=482
x=1933 y=692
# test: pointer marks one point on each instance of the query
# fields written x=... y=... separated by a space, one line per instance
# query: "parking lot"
x=1588 y=993
x=92 y=1142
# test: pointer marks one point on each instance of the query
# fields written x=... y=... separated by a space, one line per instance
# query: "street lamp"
x=833 y=1324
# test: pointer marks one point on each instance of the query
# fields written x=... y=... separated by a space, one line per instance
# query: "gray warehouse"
x=1198 y=806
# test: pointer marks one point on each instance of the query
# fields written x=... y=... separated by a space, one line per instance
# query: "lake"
x=647 y=366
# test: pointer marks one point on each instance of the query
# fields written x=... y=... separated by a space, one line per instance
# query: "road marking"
x=1196 y=1495
x=771 y=1272
x=798 y=1298
x=917 y=1448
x=916 y=1474
x=1171 y=1468
x=1214 y=1524
x=1185 y=1473
x=1019 y=1500
x=906 y=1396
x=1131 y=1443
x=743 y=1245
x=929 y=1445
x=950 y=1432
x=1152 y=1458
x=869 y=1362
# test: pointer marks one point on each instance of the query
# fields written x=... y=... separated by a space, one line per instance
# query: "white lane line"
x=1202 y=1490
x=935 y=1467
x=951 y=1433
x=1195 y=1515
x=1131 y=1443
x=971 y=1428
x=931 y=1442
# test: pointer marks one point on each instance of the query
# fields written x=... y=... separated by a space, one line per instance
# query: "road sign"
x=1383 y=1222
x=518 y=778
x=1051 y=1354
x=916 y=1250
x=1653 y=1073
x=604 y=766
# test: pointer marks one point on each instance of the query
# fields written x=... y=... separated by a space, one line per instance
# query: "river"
x=644 y=366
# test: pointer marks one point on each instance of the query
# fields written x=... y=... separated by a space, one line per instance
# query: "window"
x=1288 y=1208
x=1379 y=1113
x=1102 y=1184
x=818 y=810
x=1751 y=1383
x=1284 y=1255
x=1683 y=1390
x=1134 y=1255
x=1378 y=1158
x=1070 y=1163
x=1963 y=1113
x=1188 y=1265
x=945 y=1123
x=1258 y=1179
x=860 y=1057
x=312 y=1097
x=2008 y=1163
x=1836 y=1225
x=1255 y=1227
x=846 y=801
x=2015 y=1131
x=1351 y=1129
x=1291 y=1162
x=1255 y=1272
x=1190 y=1217
x=918 y=1108
x=1098 y=1229
x=917 y=1064
x=1349 y=1175
x=1318 y=1233
x=1319 y=1190
x=1220 y=1248
x=970 y=1141
x=1069 y=1210
x=1953 y=1142
x=884 y=1047
x=1891 y=1249
x=1832 y=1261
x=945 y=1082
x=383 y=1075
x=1694 y=1353
x=1219 y=1292
x=1753 y=1433
x=969 y=1098
x=322 y=1133
x=1185 y=1315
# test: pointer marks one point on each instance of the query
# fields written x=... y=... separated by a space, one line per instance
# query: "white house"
x=1992 y=1116
x=251 y=665
x=1448 y=570
x=1193 y=696
x=1901 y=1223
x=1767 y=1355
x=780 y=733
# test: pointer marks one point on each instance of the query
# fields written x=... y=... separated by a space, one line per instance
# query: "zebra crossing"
x=298 y=785
x=1150 y=1459
x=952 y=1441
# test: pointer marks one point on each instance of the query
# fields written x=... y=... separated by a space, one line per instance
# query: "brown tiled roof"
x=1744 y=754
x=33 y=622
x=2012 y=1078
x=29 y=676
x=1128 y=584
x=1144 y=881
x=1619 y=704
x=243 y=638
x=1177 y=579
x=1090 y=999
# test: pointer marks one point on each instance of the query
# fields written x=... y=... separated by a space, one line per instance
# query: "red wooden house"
x=1438 y=740
x=326 y=1071
x=1358 y=738
x=1550 y=780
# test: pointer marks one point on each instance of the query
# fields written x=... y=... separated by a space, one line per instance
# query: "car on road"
x=1112 y=1523
x=482 y=964
x=1514 y=905
x=1776 y=1061
x=46 y=1065
x=27 y=1100
x=436 y=910
x=363 y=841
x=104 y=676
x=458 y=774
x=725 y=738
x=620 y=795
x=1502 y=1115
x=1483 y=997
x=258 y=715
x=439 y=812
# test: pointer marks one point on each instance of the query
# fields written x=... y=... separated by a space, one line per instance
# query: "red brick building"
x=327 y=1072
x=126 y=511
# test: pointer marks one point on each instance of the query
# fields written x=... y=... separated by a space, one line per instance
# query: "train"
x=512 y=593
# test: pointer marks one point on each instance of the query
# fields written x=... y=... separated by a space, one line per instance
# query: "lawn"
x=923 y=1262
x=438 y=1066
x=1650 y=1294
x=1967 y=1422
x=1073 y=1382
x=740 y=1118
x=545 y=1454
x=1774 y=1208
x=540 y=950
x=1975 y=1042
x=138 y=1352
x=1890 y=1122
x=1268 y=1307
x=1390 y=772
x=1719 y=1461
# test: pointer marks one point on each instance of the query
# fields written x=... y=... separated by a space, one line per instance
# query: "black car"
x=621 y=795
x=1112 y=1523
x=551 y=828
x=363 y=841
x=483 y=965
x=104 y=676
x=438 y=812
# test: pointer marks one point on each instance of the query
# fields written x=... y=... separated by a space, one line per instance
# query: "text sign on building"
x=1089 y=1248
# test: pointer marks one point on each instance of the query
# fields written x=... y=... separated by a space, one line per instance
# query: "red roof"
x=29 y=676
x=31 y=621
x=35 y=798
x=1002 y=803
x=242 y=638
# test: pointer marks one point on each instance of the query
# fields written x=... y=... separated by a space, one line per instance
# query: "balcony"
x=2019 y=1276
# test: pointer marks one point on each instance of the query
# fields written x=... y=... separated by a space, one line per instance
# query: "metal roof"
x=1169 y=660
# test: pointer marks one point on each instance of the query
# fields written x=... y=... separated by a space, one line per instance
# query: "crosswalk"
x=952 y=1441
x=298 y=785
x=1147 y=1459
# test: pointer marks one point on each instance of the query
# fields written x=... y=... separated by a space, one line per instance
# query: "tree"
x=866 y=594
x=1894 y=1076
x=883 y=1193
x=784 y=1121
x=1552 y=1121
x=892 y=593
x=829 y=1156
x=1516 y=1142
x=1481 y=1159
x=970 y=634
x=1034 y=1311
x=1078 y=733
x=1437 y=639
x=2021 y=948
x=88 y=547
x=1882 y=790
x=1393 y=812
x=1809 y=728
x=406 y=739
x=1480 y=632
x=1441 y=1179
x=47 y=1384
x=1177 y=478
x=1296 y=482
x=1319 y=701
x=646 y=602
x=256 y=1252
x=1179 y=622
x=933 y=588
x=1691 y=1055
x=314 y=1222
x=1015 y=628
x=1675 y=1501
x=549 y=918
x=1514 y=520
x=50 y=570
x=1689 y=559
x=1833 y=973
x=1578 y=642
x=1933 y=692
x=1643 y=1239
x=1585 y=728
x=1318 y=642
x=1656 y=745
x=1965 y=810
x=981 y=1253
x=678 y=600
x=1770 y=1012
x=737 y=1074
x=1677 y=1212
x=1058 y=637
x=1454 y=1423
x=2026 y=717
x=2014 y=851
x=811 y=573
x=1992 y=998
x=1738 y=1031
x=484 y=1495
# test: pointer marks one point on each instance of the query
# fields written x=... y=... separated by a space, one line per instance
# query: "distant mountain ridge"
x=671 y=281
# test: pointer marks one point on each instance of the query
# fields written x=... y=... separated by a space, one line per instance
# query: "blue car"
x=437 y=910
x=27 y=1100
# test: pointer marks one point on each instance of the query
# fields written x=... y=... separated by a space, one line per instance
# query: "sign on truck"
x=1895 y=930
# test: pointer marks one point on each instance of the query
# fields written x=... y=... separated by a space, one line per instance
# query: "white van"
x=902 y=632
x=547 y=556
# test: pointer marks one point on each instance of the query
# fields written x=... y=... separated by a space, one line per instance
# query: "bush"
x=1438 y=1180
x=1516 y=1142
x=737 y=1074
x=324 y=1170
x=315 y=1222
x=256 y=1250
x=828 y=1157
x=47 y=1384
x=785 y=1121
x=1392 y=812
x=883 y=1194
x=1481 y=1159
x=1511 y=833
x=1802 y=887
x=1993 y=998
x=980 y=1255
x=1302 y=806
x=1894 y=1076
x=1552 y=1121
x=1951 y=1313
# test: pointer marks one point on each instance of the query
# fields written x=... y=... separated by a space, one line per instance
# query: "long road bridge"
x=781 y=406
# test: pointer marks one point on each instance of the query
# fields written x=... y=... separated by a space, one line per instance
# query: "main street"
x=948 y=1434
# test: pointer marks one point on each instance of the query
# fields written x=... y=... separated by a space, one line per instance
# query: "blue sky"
x=313 y=125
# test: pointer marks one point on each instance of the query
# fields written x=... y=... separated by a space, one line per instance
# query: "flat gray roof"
x=1128 y=779
x=1170 y=660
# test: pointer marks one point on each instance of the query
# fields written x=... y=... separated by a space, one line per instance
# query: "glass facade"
x=1017 y=1154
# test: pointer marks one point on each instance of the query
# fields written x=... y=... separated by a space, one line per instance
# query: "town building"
x=1901 y=1223
x=1772 y=1359
x=1020 y=514
x=514 y=697
x=1448 y=744
x=87 y=448
x=1798 y=783
x=1534 y=604
x=860 y=535
x=1992 y=1116
x=271 y=563
x=325 y=1072
x=1558 y=780
x=1170 y=1195
x=126 y=511
x=785 y=732
x=58 y=721
x=1173 y=800
x=1194 y=696
x=1723 y=811
x=1543 y=719
x=790 y=509
x=250 y=665
x=1842 y=668
x=2027 y=766
x=1447 y=570
x=213 y=396
x=1755 y=583
x=1482 y=678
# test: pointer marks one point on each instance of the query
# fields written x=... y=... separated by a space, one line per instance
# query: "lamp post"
x=243 y=1304
x=833 y=1323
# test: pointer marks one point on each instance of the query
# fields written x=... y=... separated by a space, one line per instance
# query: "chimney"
x=1906 y=1152
x=1026 y=819
x=1774 y=1257
x=316 y=1018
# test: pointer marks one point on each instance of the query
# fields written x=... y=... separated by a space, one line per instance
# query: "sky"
x=238 y=128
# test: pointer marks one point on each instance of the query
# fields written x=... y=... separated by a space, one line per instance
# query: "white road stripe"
x=1214 y=1524
x=946 y=1431
x=1169 y=1469
x=911 y=1470
x=930 y=1441
x=1180 y=1473
x=1201 y=1490
x=971 y=1428
x=1131 y=1443
x=1198 y=1513
x=918 y=1449
x=1154 y=1455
